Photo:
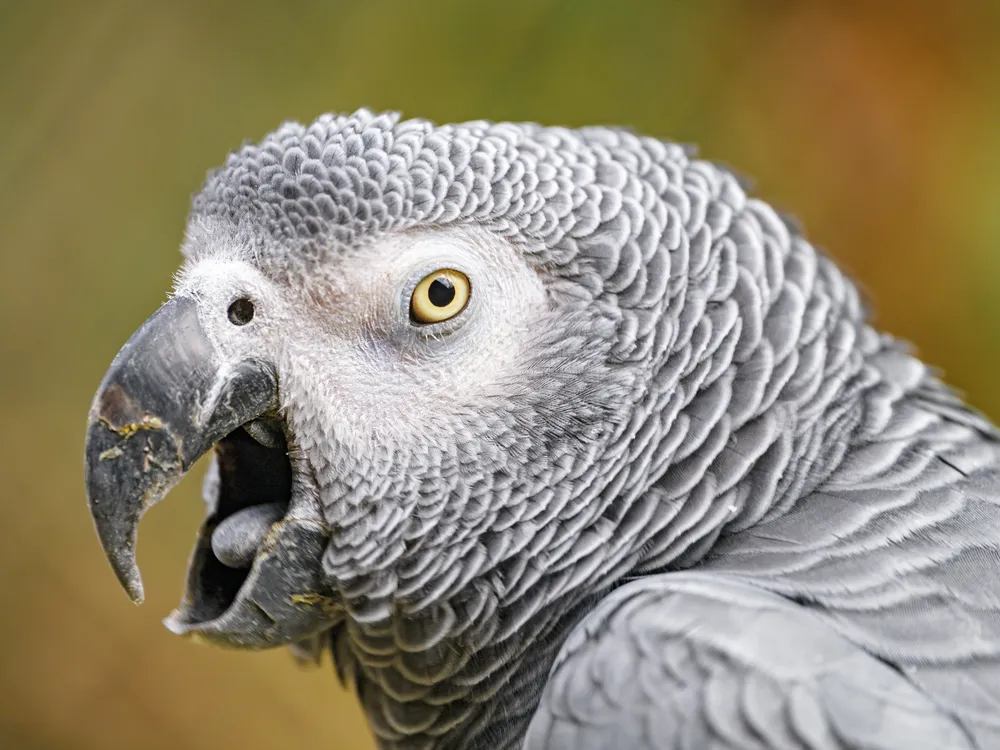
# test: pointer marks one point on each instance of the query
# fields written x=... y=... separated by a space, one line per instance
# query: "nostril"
x=241 y=311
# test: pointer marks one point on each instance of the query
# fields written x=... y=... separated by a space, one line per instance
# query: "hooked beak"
x=167 y=398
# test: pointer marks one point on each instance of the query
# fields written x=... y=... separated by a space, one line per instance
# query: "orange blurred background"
x=877 y=124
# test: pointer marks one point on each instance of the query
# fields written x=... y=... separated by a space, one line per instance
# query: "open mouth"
x=254 y=578
x=248 y=493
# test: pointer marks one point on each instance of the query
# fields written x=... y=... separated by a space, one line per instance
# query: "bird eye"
x=440 y=296
x=241 y=312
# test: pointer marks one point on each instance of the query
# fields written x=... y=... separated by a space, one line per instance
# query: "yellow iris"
x=440 y=296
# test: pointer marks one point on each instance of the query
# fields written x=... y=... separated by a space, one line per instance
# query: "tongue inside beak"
x=237 y=539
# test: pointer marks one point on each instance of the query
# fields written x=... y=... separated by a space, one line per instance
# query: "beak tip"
x=174 y=622
x=135 y=592
x=128 y=576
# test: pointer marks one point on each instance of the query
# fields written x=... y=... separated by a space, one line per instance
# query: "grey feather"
x=698 y=661
x=656 y=373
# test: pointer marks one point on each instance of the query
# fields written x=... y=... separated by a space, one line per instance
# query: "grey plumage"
x=654 y=373
x=696 y=660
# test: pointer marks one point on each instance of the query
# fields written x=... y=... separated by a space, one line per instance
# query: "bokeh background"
x=877 y=123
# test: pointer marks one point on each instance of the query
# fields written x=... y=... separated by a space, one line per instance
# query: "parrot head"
x=420 y=356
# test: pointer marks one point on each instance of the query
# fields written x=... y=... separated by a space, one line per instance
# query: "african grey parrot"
x=556 y=439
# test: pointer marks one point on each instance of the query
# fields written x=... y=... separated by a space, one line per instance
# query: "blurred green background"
x=877 y=123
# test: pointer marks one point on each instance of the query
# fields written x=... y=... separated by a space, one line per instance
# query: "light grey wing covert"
x=698 y=661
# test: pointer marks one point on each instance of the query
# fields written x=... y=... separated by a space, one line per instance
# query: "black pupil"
x=441 y=292
x=241 y=312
